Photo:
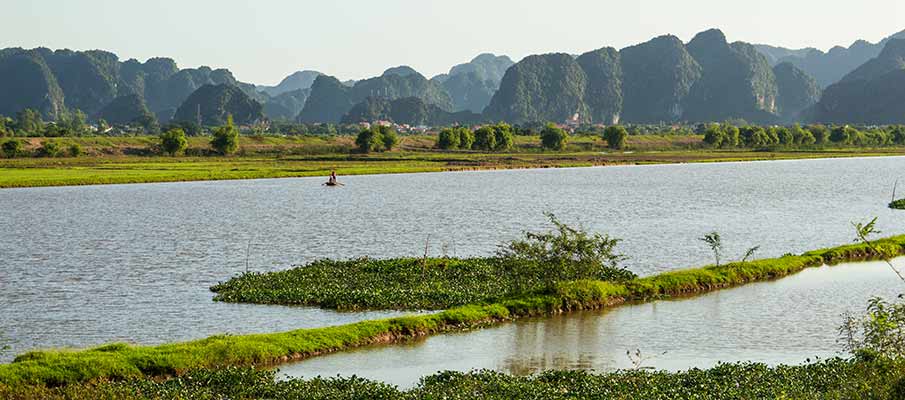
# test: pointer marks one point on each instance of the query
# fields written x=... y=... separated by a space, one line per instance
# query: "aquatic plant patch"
x=830 y=379
x=409 y=284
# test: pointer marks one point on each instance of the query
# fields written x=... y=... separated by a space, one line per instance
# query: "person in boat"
x=332 y=180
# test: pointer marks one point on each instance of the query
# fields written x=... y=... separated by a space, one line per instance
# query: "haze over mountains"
x=828 y=67
x=663 y=80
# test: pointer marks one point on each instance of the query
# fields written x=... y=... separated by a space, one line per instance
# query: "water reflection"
x=781 y=322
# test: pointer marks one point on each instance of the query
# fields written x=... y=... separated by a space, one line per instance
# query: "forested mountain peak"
x=402 y=70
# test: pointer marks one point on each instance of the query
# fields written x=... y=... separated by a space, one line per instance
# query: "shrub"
x=879 y=333
x=566 y=254
x=12 y=148
x=50 y=148
x=74 y=150
x=554 y=138
x=226 y=138
x=173 y=141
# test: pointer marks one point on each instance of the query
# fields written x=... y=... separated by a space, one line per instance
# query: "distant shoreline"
x=126 y=160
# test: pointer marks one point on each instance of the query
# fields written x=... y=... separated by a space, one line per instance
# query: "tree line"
x=500 y=137
x=174 y=141
x=729 y=136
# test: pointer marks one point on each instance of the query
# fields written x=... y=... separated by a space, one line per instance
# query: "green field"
x=110 y=160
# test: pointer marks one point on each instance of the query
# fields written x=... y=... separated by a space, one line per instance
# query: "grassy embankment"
x=110 y=160
x=119 y=361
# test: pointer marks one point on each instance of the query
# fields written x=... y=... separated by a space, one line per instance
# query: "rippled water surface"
x=89 y=265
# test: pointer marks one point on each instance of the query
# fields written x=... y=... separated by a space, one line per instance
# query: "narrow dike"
x=121 y=361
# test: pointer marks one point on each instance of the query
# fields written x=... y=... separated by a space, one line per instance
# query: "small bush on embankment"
x=123 y=361
x=831 y=379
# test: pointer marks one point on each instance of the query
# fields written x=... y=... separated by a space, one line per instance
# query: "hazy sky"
x=263 y=41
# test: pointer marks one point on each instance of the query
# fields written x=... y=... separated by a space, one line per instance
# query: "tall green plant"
x=226 y=138
x=715 y=243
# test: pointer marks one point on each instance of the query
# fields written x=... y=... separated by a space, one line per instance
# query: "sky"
x=263 y=41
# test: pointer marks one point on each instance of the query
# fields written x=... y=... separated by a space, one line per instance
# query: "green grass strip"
x=119 y=361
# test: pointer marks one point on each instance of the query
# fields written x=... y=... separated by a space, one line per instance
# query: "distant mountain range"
x=660 y=81
x=297 y=81
x=828 y=68
x=874 y=93
x=663 y=80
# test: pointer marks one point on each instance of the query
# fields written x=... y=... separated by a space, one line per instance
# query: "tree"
x=226 y=138
x=761 y=138
x=821 y=134
x=466 y=138
x=898 y=134
x=784 y=136
x=190 y=128
x=369 y=140
x=484 y=139
x=173 y=141
x=503 y=137
x=716 y=245
x=715 y=136
x=732 y=135
x=390 y=138
x=12 y=148
x=4 y=131
x=29 y=123
x=72 y=123
x=772 y=135
x=554 y=138
x=376 y=138
x=616 y=137
x=448 y=139
x=149 y=123
x=844 y=135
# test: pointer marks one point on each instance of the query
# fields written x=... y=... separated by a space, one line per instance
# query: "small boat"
x=333 y=181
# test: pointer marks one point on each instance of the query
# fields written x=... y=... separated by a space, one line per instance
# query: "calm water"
x=89 y=265
x=782 y=322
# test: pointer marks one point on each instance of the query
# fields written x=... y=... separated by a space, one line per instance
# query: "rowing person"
x=332 y=180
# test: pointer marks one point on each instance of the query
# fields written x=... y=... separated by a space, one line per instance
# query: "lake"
x=90 y=265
